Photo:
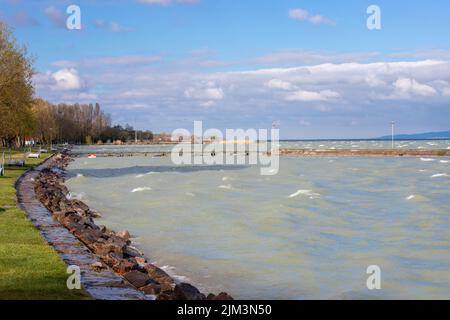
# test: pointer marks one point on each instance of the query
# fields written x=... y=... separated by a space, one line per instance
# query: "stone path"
x=101 y=285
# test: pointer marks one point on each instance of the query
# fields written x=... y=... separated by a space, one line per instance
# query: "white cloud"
x=279 y=84
x=303 y=15
x=208 y=103
x=373 y=81
x=112 y=26
x=205 y=93
x=301 y=57
x=134 y=93
x=22 y=18
x=443 y=87
x=406 y=87
x=446 y=91
x=308 y=96
x=118 y=28
x=362 y=91
x=304 y=123
x=114 y=60
x=437 y=54
x=56 y=17
x=88 y=96
x=67 y=79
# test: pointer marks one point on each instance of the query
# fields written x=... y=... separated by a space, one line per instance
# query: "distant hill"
x=419 y=136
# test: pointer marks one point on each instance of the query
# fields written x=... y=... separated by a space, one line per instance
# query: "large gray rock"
x=137 y=278
x=185 y=291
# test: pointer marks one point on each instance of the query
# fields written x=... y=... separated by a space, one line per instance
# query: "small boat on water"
x=92 y=156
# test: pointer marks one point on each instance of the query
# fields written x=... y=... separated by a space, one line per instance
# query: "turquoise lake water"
x=308 y=232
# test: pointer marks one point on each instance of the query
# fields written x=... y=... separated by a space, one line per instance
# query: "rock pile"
x=114 y=249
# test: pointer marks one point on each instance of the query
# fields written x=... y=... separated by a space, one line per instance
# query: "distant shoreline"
x=150 y=143
x=301 y=153
x=366 y=152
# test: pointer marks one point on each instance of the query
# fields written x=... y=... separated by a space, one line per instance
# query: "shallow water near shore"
x=309 y=232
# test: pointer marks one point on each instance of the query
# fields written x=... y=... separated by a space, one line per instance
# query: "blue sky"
x=312 y=66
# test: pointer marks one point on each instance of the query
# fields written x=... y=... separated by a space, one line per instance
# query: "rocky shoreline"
x=114 y=249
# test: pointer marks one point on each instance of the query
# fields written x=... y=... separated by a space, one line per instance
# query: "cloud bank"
x=338 y=95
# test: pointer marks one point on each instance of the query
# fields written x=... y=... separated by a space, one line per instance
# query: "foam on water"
x=140 y=189
x=75 y=196
x=170 y=270
x=440 y=175
x=308 y=193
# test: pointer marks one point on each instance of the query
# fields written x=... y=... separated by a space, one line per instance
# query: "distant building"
x=29 y=141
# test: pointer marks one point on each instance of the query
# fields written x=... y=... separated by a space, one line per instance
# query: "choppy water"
x=344 y=144
x=309 y=232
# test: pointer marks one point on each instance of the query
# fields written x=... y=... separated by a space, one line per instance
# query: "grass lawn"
x=29 y=267
x=7 y=191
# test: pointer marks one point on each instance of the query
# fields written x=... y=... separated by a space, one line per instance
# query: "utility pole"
x=135 y=132
x=2 y=166
x=393 y=127
x=51 y=139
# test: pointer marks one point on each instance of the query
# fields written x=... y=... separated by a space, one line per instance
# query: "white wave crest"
x=141 y=189
x=427 y=159
x=440 y=175
x=410 y=197
x=75 y=196
x=170 y=270
x=226 y=187
x=308 y=193
x=445 y=161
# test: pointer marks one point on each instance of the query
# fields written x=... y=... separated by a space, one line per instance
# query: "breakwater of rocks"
x=114 y=249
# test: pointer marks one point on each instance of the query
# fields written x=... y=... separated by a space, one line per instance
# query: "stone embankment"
x=111 y=251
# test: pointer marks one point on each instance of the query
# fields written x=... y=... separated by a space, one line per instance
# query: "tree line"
x=23 y=117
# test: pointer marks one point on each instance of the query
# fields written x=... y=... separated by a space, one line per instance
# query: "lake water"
x=308 y=232
x=344 y=144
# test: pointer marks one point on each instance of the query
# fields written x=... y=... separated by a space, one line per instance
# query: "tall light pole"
x=393 y=126
x=51 y=139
